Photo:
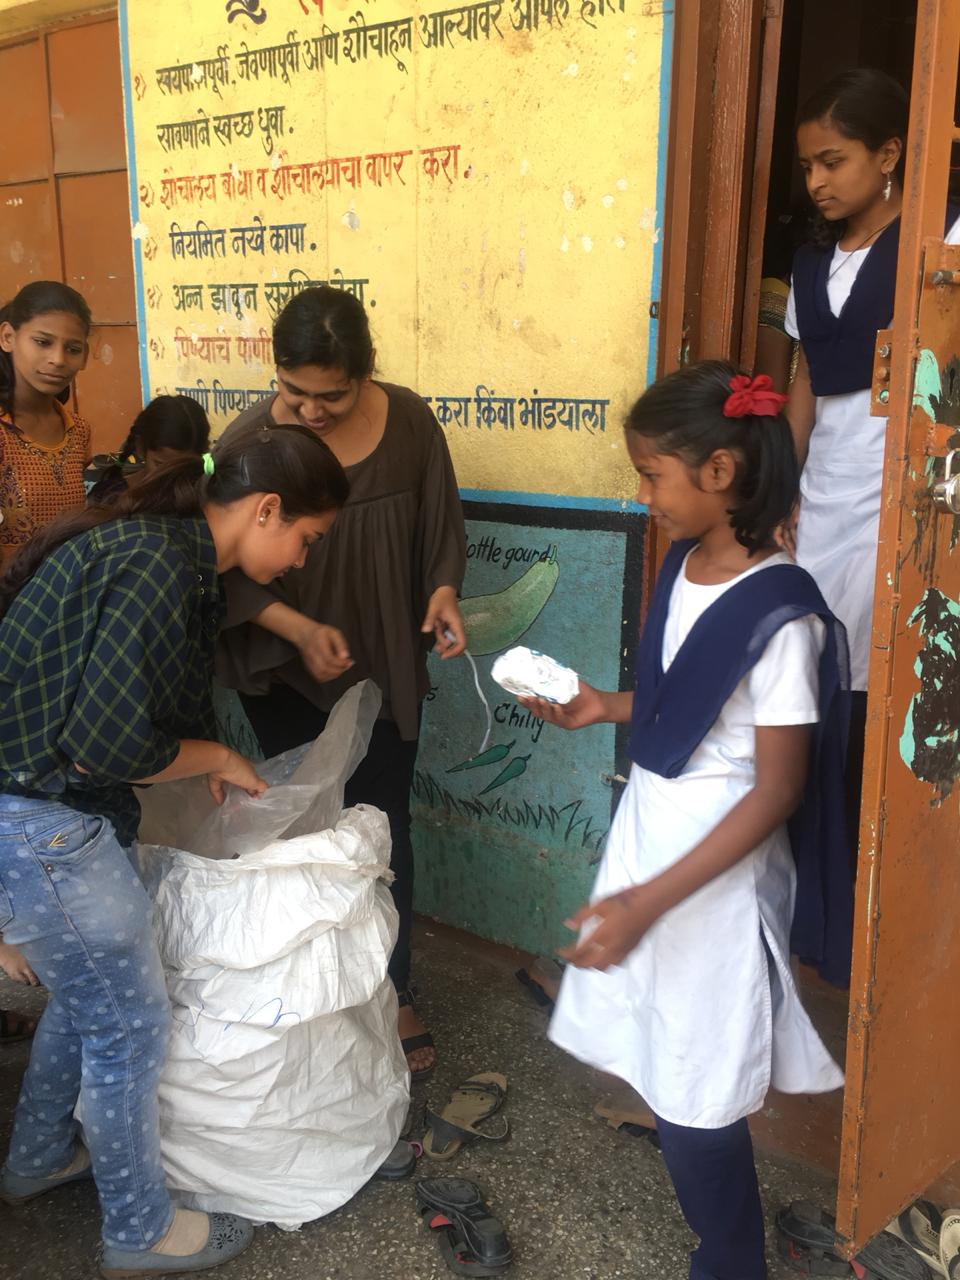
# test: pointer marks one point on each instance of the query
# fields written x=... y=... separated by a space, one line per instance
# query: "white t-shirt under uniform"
x=703 y=1016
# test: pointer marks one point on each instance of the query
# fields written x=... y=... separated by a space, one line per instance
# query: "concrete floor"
x=579 y=1201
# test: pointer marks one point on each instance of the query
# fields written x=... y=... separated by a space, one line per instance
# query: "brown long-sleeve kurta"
x=398 y=539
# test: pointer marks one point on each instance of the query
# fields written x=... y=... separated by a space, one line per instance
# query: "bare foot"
x=411 y=1024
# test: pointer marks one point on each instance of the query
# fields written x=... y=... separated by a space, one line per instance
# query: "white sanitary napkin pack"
x=528 y=673
x=285 y=1087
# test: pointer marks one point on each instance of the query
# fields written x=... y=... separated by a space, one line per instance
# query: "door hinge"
x=880 y=386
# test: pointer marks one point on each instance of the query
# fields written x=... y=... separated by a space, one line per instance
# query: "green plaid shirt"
x=106 y=662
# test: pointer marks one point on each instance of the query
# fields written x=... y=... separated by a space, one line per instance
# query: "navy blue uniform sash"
x=674 y=710
x=839 y=349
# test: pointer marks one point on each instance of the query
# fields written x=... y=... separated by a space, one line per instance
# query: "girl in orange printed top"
x=43 y=446
x=43 y=450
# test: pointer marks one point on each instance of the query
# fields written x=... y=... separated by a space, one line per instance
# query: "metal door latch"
x=946 y=492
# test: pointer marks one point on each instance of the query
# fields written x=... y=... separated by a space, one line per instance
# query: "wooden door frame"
x=718 y=174
x=718 y=171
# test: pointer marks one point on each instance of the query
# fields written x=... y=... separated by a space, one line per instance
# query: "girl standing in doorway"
x=850 y=140
x=372 y=598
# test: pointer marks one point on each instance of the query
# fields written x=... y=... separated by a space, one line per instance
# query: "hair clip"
x=208 y=464
x=753 y=396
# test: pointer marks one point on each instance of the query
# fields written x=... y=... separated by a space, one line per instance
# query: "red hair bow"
x=753 y=395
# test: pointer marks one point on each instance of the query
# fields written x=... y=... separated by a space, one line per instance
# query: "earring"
x=887 y=187
x=263 y=519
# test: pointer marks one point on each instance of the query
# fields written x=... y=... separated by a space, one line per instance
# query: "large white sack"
x=285 y=1087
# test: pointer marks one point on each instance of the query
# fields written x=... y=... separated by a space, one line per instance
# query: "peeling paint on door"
x=931 y=731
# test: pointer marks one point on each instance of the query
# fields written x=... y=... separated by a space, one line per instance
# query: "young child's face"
x=48 y=351
x=843 y=176
x=319 y=398
x=670 y=489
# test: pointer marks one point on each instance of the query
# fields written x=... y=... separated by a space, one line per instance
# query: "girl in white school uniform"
x=850 y=140
x=680 y=982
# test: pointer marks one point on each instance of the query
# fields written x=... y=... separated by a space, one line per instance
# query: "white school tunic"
x=703 y=1016
x=841 y=486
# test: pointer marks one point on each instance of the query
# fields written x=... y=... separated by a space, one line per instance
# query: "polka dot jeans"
x=70 y=899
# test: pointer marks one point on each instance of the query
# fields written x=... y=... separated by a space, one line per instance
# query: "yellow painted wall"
x=486 y=177
x=488 y=172
x=18 y=16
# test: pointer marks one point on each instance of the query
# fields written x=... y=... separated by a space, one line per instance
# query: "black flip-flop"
x=471 y=1239
x=535 y=989
x=807 y=1238
x=920 y=1226
x=400 y=1163
x=642 y=1131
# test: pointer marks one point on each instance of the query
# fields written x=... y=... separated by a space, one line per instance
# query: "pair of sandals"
x=919 y=1241
x=933 y=1235
x=472 y=1241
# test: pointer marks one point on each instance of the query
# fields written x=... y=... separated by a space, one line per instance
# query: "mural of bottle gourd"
x=495 y=622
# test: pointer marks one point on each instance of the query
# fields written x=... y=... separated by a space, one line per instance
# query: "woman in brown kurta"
x=374 y=595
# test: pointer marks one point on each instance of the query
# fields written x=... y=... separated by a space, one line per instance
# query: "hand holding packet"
x=527 y=673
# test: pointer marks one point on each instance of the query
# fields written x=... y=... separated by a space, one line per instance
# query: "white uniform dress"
x=841 y=485
x=703 y=1015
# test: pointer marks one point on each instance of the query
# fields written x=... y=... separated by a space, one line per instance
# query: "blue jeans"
x=71 y=901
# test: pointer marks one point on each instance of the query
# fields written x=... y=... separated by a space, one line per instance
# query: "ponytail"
x=683 y=416
x=289 y=461
x=167 y=422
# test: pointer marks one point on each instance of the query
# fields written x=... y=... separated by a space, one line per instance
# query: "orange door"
x=64 y=208
x=901 y=1123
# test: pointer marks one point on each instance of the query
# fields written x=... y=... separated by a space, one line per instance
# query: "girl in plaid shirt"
x=108 y=625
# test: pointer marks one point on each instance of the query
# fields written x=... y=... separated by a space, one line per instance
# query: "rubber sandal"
x=542 y=980
x=472 y=1241
x=535 y=989
x=16 y=1027
x=806 y=1239
x=472 y=1102
x=950 y=1244
x=412 y=1043
x=888 y=1258
x=920 y=1226
x=627 y=1122
x=400 y=1163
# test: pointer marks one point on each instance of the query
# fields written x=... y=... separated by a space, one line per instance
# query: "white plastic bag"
x=285 y=1087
